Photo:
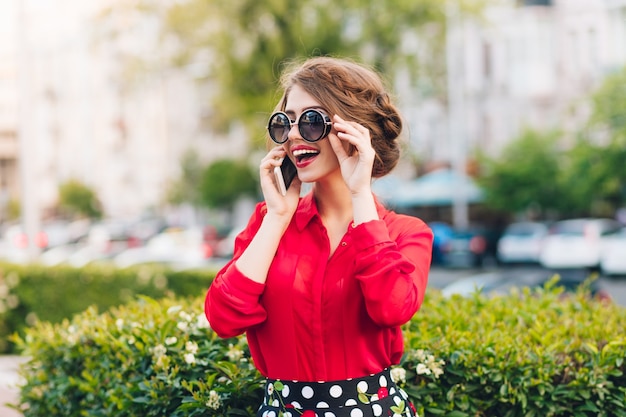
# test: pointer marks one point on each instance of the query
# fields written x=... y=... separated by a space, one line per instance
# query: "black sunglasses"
x=313 y=125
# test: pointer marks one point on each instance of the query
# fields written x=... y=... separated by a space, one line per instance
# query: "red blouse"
x=321 y=318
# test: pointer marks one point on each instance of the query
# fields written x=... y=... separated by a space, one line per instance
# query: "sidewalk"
x=8 y=384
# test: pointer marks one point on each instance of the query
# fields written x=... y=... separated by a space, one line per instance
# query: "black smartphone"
x=285 y=174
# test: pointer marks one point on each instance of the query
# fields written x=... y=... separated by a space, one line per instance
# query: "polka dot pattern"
x=335 y=391
x=307 y=392
x=371 y=396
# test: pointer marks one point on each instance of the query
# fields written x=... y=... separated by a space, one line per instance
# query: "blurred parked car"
x=442 y=234
x=104 y=240
x=521 y=242
x=471 y=247
x=14 y=243
x=175 y=247
x=226 y=246
x=576 y=243
x=613 y=257
x=51 y=234
x=499 y=283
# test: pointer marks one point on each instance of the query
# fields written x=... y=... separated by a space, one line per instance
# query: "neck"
x=333 y=200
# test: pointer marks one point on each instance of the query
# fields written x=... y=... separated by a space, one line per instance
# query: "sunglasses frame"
x=327 y=125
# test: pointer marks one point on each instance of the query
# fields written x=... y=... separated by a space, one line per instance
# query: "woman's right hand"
x=255 y=260
x=283 y=207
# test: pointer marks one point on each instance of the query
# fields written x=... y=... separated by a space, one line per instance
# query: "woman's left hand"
x=357 y=167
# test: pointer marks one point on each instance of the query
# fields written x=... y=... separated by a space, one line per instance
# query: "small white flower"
x=159 y=350
x=234 y=353
x=185 y=316
x=171 y=340
x=214 y=401
x=72 y=339
x=190 y=358
x=119 y=323
x=423 y=369
x=191 y=347
x=182 y=326
x=202 y=322
x=398 y=375
x=174 y=309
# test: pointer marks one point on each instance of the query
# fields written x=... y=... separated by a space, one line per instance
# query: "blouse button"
x=343 y=243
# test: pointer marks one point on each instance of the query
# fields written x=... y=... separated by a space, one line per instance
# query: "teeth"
x=300 y=152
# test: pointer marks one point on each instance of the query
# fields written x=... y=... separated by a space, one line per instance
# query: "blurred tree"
x=525 y=176
x=13 y=210
x=244 y=43
x=77 y=199
x=595 y=179
x=185 y=189
x=596 y=172
x=609 y=107
x=225 y=181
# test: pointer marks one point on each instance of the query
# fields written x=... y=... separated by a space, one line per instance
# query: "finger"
x=338 y=147
x=274 y=157
x=351 y=131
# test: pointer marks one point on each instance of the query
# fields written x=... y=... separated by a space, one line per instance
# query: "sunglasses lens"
x=278 y=127
x=312 y=125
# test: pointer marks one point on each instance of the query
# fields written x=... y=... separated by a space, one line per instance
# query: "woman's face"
x=314 y=160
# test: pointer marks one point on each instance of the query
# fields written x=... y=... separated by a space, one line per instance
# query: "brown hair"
x=355 y=92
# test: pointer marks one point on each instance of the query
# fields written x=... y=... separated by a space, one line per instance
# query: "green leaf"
x=398 y=409
x=457 y=413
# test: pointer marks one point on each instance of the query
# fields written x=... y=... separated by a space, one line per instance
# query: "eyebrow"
x=293 y=113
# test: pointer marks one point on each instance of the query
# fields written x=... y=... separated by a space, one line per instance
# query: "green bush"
x=530 y=353
x=146 y=359
x=29 y=293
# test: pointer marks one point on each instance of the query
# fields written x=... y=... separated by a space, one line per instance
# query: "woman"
x=322 y=283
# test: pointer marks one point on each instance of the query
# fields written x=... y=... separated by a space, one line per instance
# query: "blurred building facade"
x=527 y=64
x=90 y=116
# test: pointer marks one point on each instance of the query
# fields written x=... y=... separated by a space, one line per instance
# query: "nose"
x=294 y=132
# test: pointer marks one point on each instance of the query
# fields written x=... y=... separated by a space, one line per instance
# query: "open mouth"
x=303 y=155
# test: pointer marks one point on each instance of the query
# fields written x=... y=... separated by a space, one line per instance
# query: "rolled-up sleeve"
x=232 y=302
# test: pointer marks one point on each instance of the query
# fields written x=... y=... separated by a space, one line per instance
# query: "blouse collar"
x=307 y=210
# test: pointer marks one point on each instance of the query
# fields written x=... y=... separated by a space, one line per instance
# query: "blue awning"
x=437 y=188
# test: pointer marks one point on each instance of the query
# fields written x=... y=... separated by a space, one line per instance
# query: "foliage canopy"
x=586 y=179
x=77 y=199
x=224 y=181
x=525 y=176
x=240 y=46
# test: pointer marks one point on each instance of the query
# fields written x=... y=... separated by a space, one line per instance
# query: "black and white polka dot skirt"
x=371 y=396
